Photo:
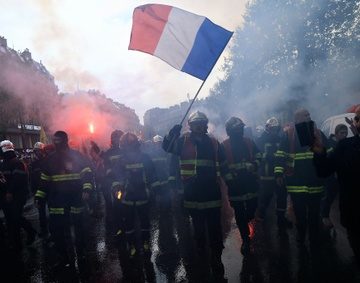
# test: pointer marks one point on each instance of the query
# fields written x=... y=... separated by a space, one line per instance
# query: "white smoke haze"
x=289 y=55
x=84 y=45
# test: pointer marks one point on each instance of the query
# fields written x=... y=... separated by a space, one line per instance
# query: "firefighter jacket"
x=136 y=176
x=160 y=158
x=111 y=157
x=64 y=177
x=295 y=163
x=13 y=178
x=345 y=162
x=268 y=145
x=243 y=159
x=202 y=162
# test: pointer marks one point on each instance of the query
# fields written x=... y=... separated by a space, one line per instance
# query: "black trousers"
x=60 y=225
x=244 y=213
x=267 y=189
x=42 y=216
x=15 y=220
x=307 y=214
x=207 y=225
x=131 y=212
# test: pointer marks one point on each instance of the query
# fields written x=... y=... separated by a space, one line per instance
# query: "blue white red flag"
x=188 y=42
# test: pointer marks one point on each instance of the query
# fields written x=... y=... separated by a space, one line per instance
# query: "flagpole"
x=192 y=101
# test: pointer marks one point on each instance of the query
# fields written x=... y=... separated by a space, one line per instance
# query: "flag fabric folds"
x=188 y=42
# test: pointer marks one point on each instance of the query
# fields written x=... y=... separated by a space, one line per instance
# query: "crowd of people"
x=131 y=174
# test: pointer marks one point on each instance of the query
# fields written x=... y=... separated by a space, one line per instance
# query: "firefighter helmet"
x=233 y=123
x=6 y=145
x=129 y=140
x=158 y=138
x=39 y=145
x=272 y=122
x=116 y=134
x=197 y=117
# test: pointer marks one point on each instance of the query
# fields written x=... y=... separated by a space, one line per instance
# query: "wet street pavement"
x=274 y=256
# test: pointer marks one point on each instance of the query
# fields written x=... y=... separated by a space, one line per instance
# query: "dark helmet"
x=197 y=117
x=129 y=140
x=116 y=134
x=232 y=124
x=60 y=137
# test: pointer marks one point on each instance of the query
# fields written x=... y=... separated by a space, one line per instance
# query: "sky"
x=84 y=44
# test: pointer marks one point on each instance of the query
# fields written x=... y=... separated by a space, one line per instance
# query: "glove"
x=175 y=131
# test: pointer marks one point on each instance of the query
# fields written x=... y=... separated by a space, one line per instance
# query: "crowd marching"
x=131 y=175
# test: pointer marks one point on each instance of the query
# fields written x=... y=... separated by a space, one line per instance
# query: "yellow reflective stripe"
x=159 y=159
x=85 y=170
x=243 y=197
x=278 y=169
x=303 y=155
x=136 y=203
x=199 y=162
x=188 y=172
x=304 y=189
x=76 y=210
x=331 y=149
x=237 y=165
x=114 y=157
x=228 y=177
x=155 y=184
x=267 y=178
x=40 y=194
x=54 y=210
x=134 y=166
x=87 y=186
x=280 y=153
x=65 y=177
x=187 y=162
x=45 y=177
x=171 y=178
x=202 y=205
x=108 y=171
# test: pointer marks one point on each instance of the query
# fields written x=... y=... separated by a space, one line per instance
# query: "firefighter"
x=134 y=180
x=202 y=162
x=13 y=195
x=66 y=182
x=243 y=158
x=160 y=159
x=35 y=172
x=111 y=157
x=268 y=144
x=345 y=162
x=332 y=184
x=294 y=165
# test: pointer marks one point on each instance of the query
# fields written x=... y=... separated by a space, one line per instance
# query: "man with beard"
x=345 y=162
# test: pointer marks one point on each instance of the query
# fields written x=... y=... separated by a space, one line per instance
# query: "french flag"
x=188 y=42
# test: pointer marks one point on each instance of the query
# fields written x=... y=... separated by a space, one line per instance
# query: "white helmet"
x=39 y=145
x=197 y=117
x=158 y=138
x=272 y=122
x=6 y=145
